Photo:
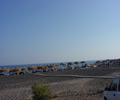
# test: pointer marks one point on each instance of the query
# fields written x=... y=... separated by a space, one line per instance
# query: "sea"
x=57 y=67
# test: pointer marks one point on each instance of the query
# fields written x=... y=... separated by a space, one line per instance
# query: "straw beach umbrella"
x=63 y=64
x=17 y=69
x=46 y=67
x=6 y=69
x=32 y=68
x=24 y=69
x=82 y=62
x=51 y=66
x=70 y=63
x=1 y=70
x=41 y=67
x=76 y=63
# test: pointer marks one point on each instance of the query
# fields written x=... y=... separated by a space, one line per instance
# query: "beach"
x=18 y=87
x=70 y=47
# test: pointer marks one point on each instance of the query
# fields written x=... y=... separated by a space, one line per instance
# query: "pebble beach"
x=18 y=87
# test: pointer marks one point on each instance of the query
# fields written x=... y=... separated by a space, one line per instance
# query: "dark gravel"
x=98 y=71
x=18 y=87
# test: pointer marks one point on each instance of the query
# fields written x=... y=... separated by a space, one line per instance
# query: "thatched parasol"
x=76 y=62
x=63 y=64
x=41 y=67
x=1 y=70
x=82 y=62
x=17 y=69
x=32 y=68
x=51 y=66
x=70 y=63
x=46 y=67
x=24 y=69
x=6 y=69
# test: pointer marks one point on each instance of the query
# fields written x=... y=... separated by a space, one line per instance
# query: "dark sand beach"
x=18 y=87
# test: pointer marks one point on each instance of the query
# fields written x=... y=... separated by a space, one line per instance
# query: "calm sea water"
x=60 y=66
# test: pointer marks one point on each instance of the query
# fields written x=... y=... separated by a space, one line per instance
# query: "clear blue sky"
x=45 y=31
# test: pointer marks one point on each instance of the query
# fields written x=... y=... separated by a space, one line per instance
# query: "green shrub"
x=41 y=92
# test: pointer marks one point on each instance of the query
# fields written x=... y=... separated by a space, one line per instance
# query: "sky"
x=46 y=31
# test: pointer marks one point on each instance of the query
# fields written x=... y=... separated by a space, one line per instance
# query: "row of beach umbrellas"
x=51 y=66
x=19 y=69
x=33 y=68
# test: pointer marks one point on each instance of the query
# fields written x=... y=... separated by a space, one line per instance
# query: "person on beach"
x=108 y=64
